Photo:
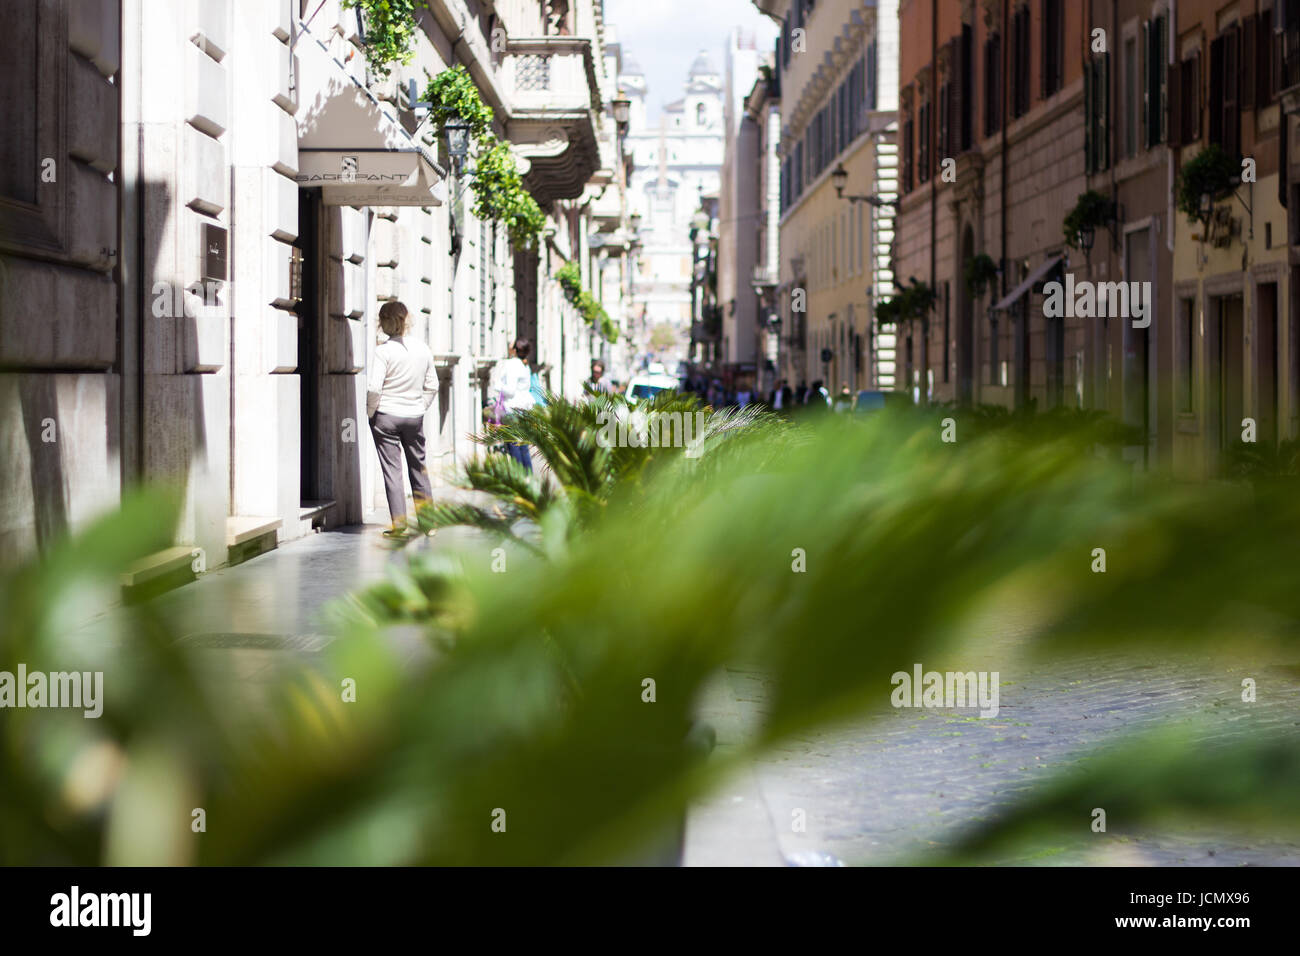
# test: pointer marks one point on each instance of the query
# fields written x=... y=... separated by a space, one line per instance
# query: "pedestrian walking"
x=400 y=387
x=511 y=393
x=597 y=383
x=844 y=400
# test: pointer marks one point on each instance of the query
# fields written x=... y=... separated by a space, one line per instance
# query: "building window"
x=923 y=148
x=871 y=75
x=1154 y=92
x=1189 y=94
x=1053 y=58
x=1096 y=91
x=1225 y=84
x=992 y=84
x=1020 y=63
x=1131 y=107
x=1186 y=334
x=965 y=88
x=947 y=334
x=20 y=155
x=945 y=126
x=699 y=114
x=908 y=146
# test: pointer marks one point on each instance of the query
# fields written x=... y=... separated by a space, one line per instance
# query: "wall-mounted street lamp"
x=840 y=179
x=622 y=107
x=1086 y=236
x=457 y=133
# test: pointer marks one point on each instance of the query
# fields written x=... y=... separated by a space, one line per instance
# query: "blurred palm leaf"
x=531 y=700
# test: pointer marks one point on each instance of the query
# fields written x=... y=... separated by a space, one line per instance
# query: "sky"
x=664 y=36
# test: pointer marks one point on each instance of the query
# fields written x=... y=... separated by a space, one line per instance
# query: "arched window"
x=699 y=114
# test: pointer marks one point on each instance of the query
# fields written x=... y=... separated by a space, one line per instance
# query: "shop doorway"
x=1225 y=375
x=308 y=309
x=1267 y=412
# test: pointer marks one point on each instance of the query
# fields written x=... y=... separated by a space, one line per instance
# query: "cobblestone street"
x=891 y=786
x=900 y=784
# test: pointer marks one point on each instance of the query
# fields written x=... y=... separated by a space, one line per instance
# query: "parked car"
x=650 y=384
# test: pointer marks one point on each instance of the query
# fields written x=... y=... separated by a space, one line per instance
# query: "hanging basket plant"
x=913 y=301
x=499 y=193
x=1211 y=172
x=981 y=272
x=390 y=27
x=1092 y=211
x=453 y=93
x=570 y=278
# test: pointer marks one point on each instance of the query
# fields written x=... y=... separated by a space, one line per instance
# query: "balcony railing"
x=551 y=73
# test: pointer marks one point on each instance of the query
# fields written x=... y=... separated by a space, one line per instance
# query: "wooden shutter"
x=1283 y=136
x=1104 y=112
x=1249 y=55
x=1042 y=55
x=1175 y=120
x=953 y=146
x=1232 y=93
x=1216 y=90
x=1263 y=59
x=1089 y=147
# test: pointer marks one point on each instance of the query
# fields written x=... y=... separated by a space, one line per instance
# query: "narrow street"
x=893 y=786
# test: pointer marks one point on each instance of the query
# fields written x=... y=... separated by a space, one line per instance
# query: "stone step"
x=163 y=562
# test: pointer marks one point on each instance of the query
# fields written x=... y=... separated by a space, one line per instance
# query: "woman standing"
x=512 y=392
x=400 y=388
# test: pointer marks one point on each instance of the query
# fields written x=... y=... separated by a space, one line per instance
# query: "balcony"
x=554 y=108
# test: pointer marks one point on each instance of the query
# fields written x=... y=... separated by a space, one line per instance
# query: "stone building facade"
x=837 y=71
x=675 y=162
x=190 y=296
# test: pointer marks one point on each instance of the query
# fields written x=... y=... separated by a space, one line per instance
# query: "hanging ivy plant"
x=499 y=192
x=570 y=278
x=1092 y=211
x=453 y=93
x=390 y=28
x=1211 y=171
x=981 y=272
x=911 y=302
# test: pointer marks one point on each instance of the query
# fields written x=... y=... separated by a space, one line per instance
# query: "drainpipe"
x=131 y=248
x=1006 y=119
x=934 y=187
x=1172 y=58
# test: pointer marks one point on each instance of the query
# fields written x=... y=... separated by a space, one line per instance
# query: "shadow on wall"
x=181 y=351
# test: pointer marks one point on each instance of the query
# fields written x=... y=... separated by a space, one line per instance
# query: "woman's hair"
x=392 y=318
x=523 y=348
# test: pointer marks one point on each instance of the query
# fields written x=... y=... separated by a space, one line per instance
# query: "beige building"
x=838 y=76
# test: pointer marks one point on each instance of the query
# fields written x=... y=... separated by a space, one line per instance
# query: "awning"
x=359 y=154
x=1035 y=278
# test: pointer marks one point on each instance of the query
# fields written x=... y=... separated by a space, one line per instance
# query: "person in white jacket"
x=400 y=387
x=511 y=392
